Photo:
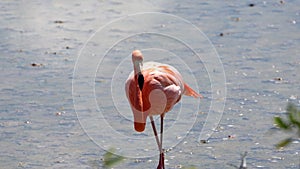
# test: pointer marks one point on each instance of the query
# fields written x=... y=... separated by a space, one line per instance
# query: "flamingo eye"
x=141 y=81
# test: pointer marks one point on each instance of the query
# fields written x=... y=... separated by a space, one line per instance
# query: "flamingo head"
x=137 y=56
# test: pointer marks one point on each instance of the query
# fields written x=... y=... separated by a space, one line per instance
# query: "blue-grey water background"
x=258 y=45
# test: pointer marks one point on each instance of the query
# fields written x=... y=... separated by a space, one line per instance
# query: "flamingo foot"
x=161 y=164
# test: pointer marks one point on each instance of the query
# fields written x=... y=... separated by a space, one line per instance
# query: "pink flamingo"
x=154 y=90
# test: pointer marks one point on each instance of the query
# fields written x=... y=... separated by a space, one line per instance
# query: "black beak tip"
x=141 y=81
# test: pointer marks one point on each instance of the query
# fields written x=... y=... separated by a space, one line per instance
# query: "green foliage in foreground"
x=110 y=159
x=290 y=124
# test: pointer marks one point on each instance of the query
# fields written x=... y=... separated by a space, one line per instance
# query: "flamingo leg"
x=155 y=132
x=161 y=131
x=161 y=156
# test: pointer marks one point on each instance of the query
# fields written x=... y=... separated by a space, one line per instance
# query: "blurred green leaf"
x=291 y=124
x=110 y=159
x=281 y=124
x=284 y=143
x=294 y=116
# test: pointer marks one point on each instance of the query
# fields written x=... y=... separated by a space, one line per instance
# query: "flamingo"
x=153 y=89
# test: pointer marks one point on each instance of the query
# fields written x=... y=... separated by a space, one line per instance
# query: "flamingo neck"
x=137 y=67
x=138 y=98
x=139 y=114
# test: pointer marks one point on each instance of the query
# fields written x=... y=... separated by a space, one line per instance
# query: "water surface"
x=42 y=40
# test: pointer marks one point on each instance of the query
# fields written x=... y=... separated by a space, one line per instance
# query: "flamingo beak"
x=139 y=127
x=139 y=120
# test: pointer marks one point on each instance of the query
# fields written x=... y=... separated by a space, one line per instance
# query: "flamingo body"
x=162 y=88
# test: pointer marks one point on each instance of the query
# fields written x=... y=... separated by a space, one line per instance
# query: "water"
x=39 y=126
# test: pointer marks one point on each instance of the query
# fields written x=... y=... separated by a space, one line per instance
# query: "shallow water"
x=40 y=128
